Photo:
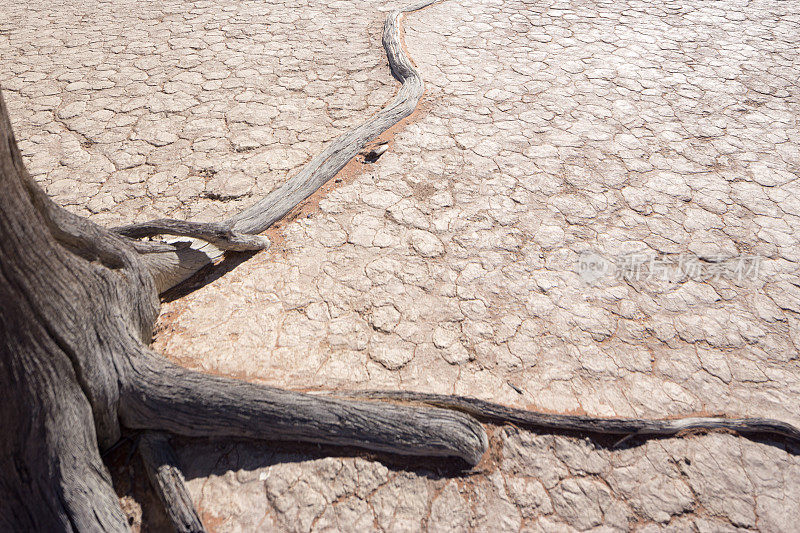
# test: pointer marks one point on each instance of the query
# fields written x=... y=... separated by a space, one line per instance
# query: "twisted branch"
x=220 y=235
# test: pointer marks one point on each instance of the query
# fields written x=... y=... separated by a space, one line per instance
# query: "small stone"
x=226 y=185
x=426 y=244
x=72 y=110
x=391 y=356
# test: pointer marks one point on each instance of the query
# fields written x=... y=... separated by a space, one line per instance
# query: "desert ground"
x=647 y=135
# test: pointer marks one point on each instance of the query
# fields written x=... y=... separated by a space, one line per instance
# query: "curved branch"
x=614 y=426
x=328 y=163
x=316 y=173
x=164 y=397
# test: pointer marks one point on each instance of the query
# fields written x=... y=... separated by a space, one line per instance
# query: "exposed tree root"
x=220 y=235
x=320 y=169
x=331 y=160
x=167 y=480
x=78 y=307
x=628 y=427
x=165 y=397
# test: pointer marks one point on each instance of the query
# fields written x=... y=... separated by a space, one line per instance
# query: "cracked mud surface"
x=450 y=265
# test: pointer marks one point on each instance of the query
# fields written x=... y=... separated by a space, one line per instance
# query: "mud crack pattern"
x=449 y=265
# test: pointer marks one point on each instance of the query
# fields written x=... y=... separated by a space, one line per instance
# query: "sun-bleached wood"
x=322 y=168
x=78 y=303
x=628 y=427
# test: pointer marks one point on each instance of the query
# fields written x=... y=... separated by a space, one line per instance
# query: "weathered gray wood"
x=166 y=478
x=220 y=235
x=163 y=396
x=172 y=264
x=330 y=161
x=321 y=168
x=751 y=426
x=52 y=477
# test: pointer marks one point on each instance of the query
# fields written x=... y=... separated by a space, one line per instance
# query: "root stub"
x=167 y=480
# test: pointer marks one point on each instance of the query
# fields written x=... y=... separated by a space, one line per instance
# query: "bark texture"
x=60 y=286
x=77 y=307
x=167 y=480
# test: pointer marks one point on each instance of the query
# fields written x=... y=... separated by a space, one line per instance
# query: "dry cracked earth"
x=551 y=133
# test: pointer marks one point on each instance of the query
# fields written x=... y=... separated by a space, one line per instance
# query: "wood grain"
x=167 y=480
x=78 y=307
x=497 y=413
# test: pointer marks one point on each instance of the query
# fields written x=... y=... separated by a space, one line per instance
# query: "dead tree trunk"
x=77 y=307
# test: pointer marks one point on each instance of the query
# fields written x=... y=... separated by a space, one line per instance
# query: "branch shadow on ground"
x=219 y=457
x=207 y=275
